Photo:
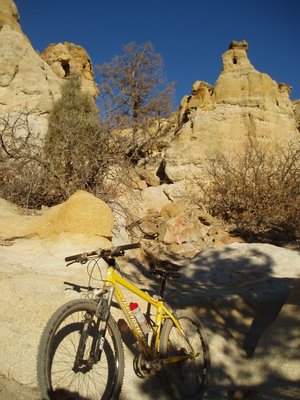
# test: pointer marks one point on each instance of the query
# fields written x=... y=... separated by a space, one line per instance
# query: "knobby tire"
x=56 y=355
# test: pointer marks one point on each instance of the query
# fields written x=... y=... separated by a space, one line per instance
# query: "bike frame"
x=162 y=314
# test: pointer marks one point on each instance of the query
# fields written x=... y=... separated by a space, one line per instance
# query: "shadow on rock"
x=251 y=314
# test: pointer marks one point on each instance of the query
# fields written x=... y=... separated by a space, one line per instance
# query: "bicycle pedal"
x=154 y=365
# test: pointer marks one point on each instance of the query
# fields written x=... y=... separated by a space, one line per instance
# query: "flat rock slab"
x=246 y=295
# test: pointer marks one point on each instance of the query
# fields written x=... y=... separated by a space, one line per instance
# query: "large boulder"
x=81 y=214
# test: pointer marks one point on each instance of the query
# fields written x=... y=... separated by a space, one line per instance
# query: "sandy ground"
x=248 y=297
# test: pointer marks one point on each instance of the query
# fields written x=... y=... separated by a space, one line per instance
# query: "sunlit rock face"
x=9 y=15
x=68 y=58
x=30 y=82
x=27 y=83
x=243 y=104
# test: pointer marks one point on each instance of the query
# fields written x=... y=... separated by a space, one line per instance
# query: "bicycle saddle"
x=165 y=273
x=164 y=263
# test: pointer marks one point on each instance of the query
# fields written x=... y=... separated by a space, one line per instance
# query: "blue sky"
x=190 y=35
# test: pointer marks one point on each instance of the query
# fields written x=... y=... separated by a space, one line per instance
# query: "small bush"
x=23 y=177
x=258 y=191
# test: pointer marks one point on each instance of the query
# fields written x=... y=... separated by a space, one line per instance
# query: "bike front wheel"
x=185 y=379
x=57 y=375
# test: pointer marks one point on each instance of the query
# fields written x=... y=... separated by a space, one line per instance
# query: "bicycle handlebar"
x=116 y=251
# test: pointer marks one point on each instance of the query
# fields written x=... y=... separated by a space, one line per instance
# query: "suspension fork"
x=102 y=314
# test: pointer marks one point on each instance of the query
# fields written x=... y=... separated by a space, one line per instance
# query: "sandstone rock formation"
x=67 y=58
x=297 y=113
x=244 y=103
x=9 y=15
x=27 y=81
x=81 y=214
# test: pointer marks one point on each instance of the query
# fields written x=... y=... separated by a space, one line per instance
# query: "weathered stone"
x=202 y=97
x=183 y=228
x=246 y=104
x=68 y=58
x=155 y=198
x=148 y=176
x=241 y=45
x=27 y=82
x=82 y=213
x=9 y=15
x=297 y=113
x=149 y=229
x=172 y=209
x=205 y=218
x=239 y=83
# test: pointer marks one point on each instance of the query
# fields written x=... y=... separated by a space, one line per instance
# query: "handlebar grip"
x=130 y=246
x=72 y=258
x=119 y=250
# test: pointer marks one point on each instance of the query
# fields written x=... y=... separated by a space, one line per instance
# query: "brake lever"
x=71 y=262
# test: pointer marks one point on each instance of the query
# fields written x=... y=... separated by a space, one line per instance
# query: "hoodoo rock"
x=27 y=83
x=68 y=58
x=243 y=104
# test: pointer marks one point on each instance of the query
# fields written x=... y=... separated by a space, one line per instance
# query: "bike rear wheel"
x=185 y=379
x=57 y=377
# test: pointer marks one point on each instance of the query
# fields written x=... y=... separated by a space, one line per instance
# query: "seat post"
x=162 y=286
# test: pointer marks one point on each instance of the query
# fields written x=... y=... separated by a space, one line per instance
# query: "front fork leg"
x=102 y=313
x=79 y=362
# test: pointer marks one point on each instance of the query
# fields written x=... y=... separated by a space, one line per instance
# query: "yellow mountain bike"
x=81 y=350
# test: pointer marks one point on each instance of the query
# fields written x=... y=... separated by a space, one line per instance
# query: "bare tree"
x=134 y=86
x=135 y=94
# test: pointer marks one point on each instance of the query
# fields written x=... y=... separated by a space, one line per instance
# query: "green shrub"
x=78 y=152
x=76 y=145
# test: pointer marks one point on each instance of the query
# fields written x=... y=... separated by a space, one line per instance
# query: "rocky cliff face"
x=26 y=81
x=244 y=103
x=32 y=82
